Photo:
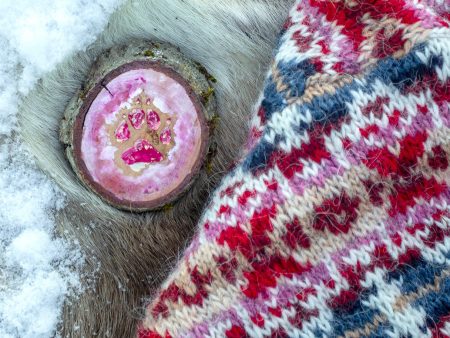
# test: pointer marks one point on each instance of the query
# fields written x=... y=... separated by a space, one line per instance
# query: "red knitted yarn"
x=336 y=222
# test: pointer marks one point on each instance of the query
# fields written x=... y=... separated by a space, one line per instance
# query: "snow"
x=38 y=270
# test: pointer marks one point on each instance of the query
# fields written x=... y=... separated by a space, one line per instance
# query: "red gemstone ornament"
x=142 y=152
x=165 y=136
x=122 y=132
x=153 y=120
x=137 y=117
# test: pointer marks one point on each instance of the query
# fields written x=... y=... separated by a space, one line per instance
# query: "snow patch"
x=38 y=270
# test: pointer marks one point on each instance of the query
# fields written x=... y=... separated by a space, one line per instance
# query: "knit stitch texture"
x=335 y=223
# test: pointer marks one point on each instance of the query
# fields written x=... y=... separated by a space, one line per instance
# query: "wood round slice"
x=137 y=133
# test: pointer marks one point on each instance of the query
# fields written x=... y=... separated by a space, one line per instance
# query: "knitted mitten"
x=336 y=220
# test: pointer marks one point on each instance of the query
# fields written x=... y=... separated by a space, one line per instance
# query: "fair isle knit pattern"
x=336 y=222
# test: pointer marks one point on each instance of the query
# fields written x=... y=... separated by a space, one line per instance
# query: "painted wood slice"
x=137 y=135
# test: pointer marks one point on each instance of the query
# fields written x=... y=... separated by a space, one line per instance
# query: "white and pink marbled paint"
x=98 y=152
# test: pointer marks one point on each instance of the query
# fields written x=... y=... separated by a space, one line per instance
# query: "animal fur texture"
x=130 y=254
